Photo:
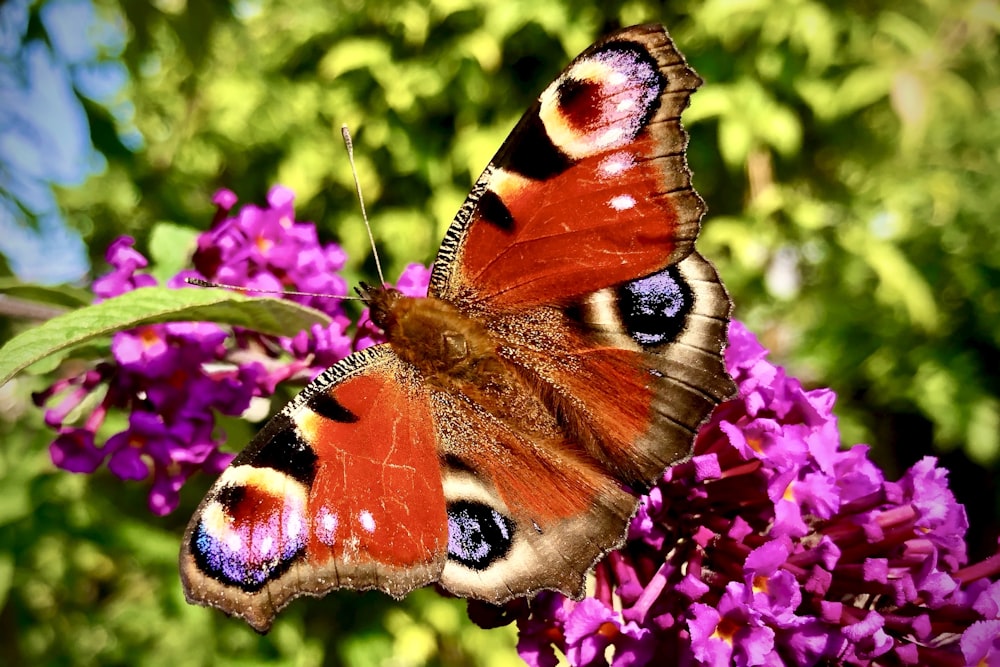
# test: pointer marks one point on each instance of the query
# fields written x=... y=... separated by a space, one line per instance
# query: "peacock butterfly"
x=568 y=350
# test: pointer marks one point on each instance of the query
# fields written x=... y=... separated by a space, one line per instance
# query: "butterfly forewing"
x=591 y=188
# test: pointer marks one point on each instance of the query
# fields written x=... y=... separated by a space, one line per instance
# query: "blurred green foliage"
x=848 y=152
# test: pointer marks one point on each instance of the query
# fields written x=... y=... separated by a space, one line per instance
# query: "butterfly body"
x=567 y=352
x=450 y=349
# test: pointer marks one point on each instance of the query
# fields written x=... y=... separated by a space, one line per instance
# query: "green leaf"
x=58 y=295
x=150 y=305
x=352 y=54
x=863 y=87
x=735 y=141
x=900 y=282
x=984 y=431
x=97 y=348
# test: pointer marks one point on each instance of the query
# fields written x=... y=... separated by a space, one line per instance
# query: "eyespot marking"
x=478 y=535
x=602 y=101
x=252 y=529
x=654 y=309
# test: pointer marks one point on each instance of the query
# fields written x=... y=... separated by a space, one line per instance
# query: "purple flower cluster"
x=773 y=546
x=265 y=249
x=173 y=379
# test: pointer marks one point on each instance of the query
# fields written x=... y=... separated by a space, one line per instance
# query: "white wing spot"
x=267 y=546
x=625 y=105
x=326 y=527
x=366 y=520
x=294 y=526
x=611 y=137
x=613 y=165
x=621 y=202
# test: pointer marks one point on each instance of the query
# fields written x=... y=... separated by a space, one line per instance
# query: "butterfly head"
x=381 y=302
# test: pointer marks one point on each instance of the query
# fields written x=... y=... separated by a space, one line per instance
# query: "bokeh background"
x=849 y=153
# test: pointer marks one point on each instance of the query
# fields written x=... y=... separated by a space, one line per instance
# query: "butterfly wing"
x=576 y=249
x=591 y=189
x=342 y=488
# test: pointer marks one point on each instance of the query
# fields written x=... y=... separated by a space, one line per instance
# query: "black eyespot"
x=572 y=92
x=478 y=535
x=248 y=535
x=230 y=497
x=655 y=308
x=246 y=567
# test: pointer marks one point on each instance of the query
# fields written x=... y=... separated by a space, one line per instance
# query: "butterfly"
x=569 y=348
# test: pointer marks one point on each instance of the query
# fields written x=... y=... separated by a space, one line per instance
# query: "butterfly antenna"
x=357 y=186
x=198 y=282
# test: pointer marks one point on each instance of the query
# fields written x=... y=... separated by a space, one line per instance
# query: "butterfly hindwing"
x=528 y=508
x=650 y=370
x=627 y=376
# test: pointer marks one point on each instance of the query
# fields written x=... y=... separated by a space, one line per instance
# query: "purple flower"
x=591 y=627
x=731 y=633
x=772 y=545
x=265 y=248
x=74 y=450
x=126 y=261
x=414 y=280
x=145 y=348
x=324 y=346
x=164 y=495
x=174 y=379
x=981 y=643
